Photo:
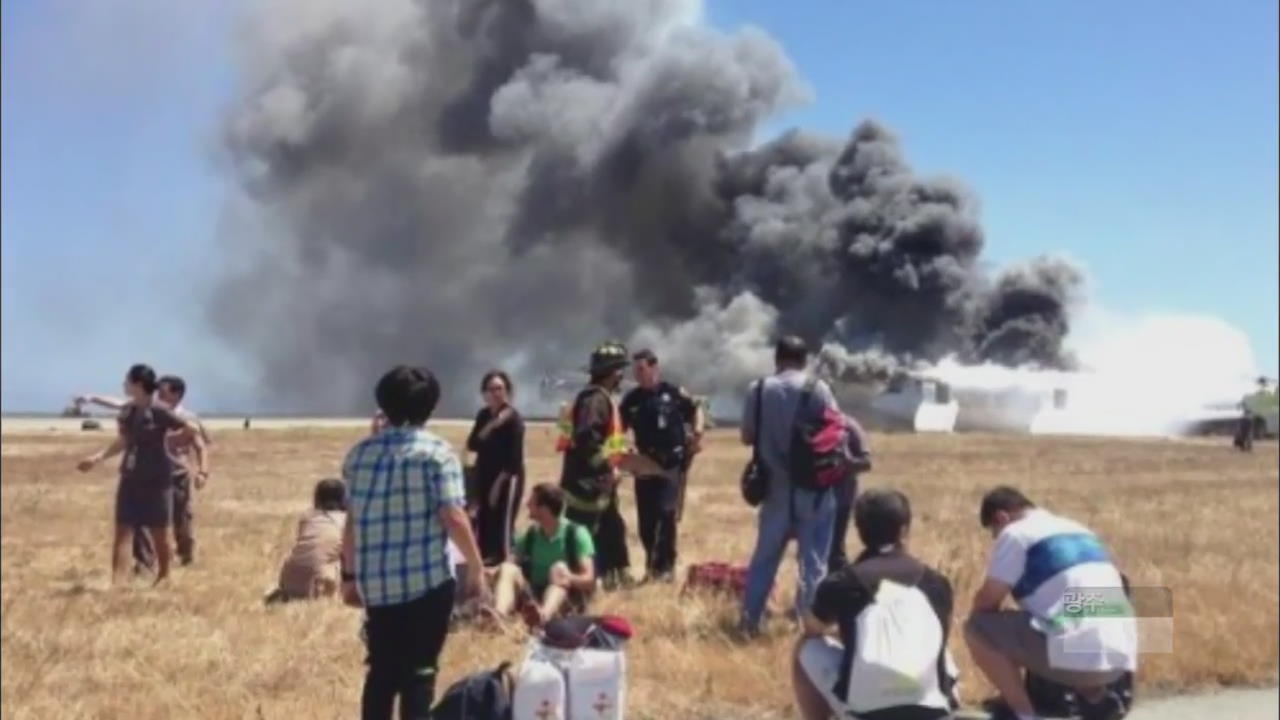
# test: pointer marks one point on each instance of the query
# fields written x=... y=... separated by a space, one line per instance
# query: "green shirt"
x=542 y=552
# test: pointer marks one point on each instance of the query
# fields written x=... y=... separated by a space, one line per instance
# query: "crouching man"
x=554 y=568
x=1046 y=562
x=893 y=614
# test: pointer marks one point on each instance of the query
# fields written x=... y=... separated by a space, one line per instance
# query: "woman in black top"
x=497 y=439
x=144 y=497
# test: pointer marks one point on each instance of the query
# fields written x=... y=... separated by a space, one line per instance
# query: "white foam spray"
x=1148 y=375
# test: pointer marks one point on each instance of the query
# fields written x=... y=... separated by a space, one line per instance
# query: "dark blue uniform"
x=660 y=418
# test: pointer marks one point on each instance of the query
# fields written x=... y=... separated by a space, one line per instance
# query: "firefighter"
x=1253 y=408
x=593 y=443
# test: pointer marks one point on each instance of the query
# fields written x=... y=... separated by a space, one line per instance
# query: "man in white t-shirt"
x=1074 y=625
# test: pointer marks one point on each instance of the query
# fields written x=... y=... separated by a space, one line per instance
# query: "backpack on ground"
x=819 y=459
x=574 y=673
x=899 y=659
x=717 y=578
x=481 y=696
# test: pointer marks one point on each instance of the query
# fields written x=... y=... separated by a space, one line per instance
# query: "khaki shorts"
x=1011 y=634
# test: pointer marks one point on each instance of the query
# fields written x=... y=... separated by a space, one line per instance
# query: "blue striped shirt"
x=397 y=483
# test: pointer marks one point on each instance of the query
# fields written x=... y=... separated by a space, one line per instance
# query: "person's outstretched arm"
x=95 y=459
x=105 y=401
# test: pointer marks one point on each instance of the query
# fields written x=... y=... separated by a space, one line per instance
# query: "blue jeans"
x=810 y=520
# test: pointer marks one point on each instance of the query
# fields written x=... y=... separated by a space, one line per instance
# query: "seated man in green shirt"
x=553 y=569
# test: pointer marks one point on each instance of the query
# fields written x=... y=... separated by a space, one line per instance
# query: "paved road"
x=1228 y=705
x=1261 y=704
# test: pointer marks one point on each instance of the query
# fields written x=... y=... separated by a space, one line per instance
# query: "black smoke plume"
x=477 y=183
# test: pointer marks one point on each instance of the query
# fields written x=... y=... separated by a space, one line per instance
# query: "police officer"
x=593 y=443
x=668 y=430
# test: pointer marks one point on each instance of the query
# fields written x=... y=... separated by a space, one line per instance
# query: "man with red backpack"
x=860 y=461
x=798 y=432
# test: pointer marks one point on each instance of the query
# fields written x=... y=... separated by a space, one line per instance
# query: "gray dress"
x=144 y=496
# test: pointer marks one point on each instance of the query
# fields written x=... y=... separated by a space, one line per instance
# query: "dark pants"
x=404 y=643
x=495 y=524
x=183 y=531
x=608 y=534
x=1245 y=432
x=845 y=496
x=656 y=500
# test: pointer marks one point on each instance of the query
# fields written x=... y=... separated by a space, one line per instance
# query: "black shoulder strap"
x=571 y=545
x=526 y=544
x=755 y=444
x=806 y=394
x=915 y=572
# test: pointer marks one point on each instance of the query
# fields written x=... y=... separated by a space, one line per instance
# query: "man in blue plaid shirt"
x=406 y=496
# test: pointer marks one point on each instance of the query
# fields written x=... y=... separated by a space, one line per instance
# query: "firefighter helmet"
x=609 y=357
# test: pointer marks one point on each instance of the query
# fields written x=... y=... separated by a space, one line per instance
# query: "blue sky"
x=1138 y=138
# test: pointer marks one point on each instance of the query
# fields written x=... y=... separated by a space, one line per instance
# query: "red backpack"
x=819 y=460
x=717 y=578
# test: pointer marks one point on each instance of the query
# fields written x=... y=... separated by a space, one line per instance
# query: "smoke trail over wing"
x=470 y=183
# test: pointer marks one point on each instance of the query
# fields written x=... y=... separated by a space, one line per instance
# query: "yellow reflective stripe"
x=614 y=445
x=578 y=503
x=565 y=426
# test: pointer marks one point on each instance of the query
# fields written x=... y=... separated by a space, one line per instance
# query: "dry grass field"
x=1196 y=517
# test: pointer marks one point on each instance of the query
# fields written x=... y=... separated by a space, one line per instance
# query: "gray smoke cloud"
x=477 y=183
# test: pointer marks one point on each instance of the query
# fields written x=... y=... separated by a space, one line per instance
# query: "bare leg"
x=164 y=552
x=510 y=581
x=1000 y=670
x=553 y=598
x=121 y=553
x=810 y=702
x=144 y=556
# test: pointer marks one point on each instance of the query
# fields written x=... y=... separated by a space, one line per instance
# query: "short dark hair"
x=506 y=380
x=881 y=516
x=549 y=496
x=647 y=356
x=407 y=395
x=142 y=374
x=791 y=350
x=175 y=384
x=1004 y=498
x=330 y=494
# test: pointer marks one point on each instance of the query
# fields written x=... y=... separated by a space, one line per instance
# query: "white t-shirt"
x=455 y=558
x=1062 y=575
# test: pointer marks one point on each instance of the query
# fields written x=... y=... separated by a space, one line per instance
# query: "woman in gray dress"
x=143 y=497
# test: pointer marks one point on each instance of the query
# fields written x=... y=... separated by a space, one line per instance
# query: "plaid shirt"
x=397 y=482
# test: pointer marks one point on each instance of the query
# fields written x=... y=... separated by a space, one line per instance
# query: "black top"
x=658 y=417
x=502 y=450
x=148 y=457
x=844 y=594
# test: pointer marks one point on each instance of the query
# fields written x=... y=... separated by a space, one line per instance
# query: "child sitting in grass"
x=312 y=568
